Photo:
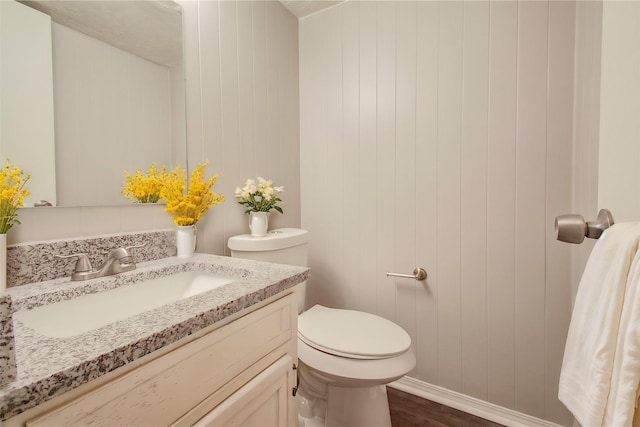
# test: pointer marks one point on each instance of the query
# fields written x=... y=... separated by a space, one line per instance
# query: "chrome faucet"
x=118 y=261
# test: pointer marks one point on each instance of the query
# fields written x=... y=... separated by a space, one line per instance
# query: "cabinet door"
x=209 y=369
x=264 y=401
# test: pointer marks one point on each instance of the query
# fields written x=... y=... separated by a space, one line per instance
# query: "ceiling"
x=302 y=8
x=149 y=29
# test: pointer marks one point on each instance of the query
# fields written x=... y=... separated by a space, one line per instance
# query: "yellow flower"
x=12 y=194
x=187 y=209
x=143 y=188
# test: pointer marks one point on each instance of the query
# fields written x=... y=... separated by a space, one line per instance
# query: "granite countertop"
x=48 y=367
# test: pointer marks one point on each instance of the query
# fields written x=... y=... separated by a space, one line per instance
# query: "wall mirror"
x=118 y=99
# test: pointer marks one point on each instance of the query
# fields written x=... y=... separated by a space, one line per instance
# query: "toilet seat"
x=351 y=334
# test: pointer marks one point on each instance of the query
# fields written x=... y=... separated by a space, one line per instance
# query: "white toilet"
x=346 y=357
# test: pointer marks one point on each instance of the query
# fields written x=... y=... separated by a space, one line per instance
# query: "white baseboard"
x=468 y=404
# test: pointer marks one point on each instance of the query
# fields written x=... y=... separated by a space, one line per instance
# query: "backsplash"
x=34 y=261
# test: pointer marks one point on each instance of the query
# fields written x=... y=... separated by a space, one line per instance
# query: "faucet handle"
x=123 y=255
x=122 y=252
x=125 y=252
x=128 y=248
x=82 y=265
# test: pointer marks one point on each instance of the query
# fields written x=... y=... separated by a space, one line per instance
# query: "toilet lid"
x=352 y=334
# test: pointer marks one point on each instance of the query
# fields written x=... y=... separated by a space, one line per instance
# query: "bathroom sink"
x=92 y=311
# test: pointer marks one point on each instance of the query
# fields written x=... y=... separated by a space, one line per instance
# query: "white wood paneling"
x=291 y=120
x=178 y=120
x=192 y=66
x=232 y=162
x=259 y=18
x=350 y=285
x=246 y=90
x=312 y=99
x=368 y=193
x=204 y=136
x=386 y=155
x=406 y=194
x=334 y=188
x=246 y=66
x=619 y=151
x=276 y=87
x=559 y=176
x=470 y=126
x=450 y=64
x=426 y=344
x=586 y=124
x=474 y=199
x=530 y=206
x=271 y=83
x=501 y=193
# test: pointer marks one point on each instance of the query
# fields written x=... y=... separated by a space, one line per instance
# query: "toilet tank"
x=282 y=246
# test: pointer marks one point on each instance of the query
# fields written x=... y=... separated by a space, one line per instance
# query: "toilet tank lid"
x=275 y=239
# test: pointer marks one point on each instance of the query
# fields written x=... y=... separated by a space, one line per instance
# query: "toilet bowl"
x=346 y=357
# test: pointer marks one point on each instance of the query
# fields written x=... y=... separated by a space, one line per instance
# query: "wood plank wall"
x=619 y=175
x=242 y=106
x=439 y=134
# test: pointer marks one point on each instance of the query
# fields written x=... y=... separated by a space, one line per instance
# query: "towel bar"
x=418 y=274
x=573 y=228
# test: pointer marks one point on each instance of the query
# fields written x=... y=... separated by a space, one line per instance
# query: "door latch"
x=294 y=391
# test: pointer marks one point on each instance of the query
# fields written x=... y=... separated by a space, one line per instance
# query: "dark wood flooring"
x=408 y=410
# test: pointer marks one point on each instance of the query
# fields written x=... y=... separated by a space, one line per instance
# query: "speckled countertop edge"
x=48 y=367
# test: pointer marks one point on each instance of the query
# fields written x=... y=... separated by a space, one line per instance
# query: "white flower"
x=250 y=189
x=267 y=193
x=242 y=194
x=259 y=196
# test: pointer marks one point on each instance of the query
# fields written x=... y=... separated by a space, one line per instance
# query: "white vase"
x=3 y=262
x=258 y=223
x=186 y=240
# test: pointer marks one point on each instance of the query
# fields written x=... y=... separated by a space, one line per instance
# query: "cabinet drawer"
x=264 y=401
x=164 y=389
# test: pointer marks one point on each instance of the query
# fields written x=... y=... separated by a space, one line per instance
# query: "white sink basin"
x=92 y=311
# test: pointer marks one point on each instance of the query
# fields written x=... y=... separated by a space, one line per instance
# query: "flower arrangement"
x=12 y=194
x=145 y=188
x=187 y=209
x=260 y=196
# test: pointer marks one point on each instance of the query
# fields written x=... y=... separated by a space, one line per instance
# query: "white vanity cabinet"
x=242 y=373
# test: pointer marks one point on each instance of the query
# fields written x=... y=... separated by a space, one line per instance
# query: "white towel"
x=621 y=403
x=587 y=367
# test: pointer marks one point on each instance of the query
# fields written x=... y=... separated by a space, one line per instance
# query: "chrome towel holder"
x=419 y=273
x=573 y=228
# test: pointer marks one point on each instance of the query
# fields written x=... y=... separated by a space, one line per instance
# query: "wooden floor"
x=408 y=410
